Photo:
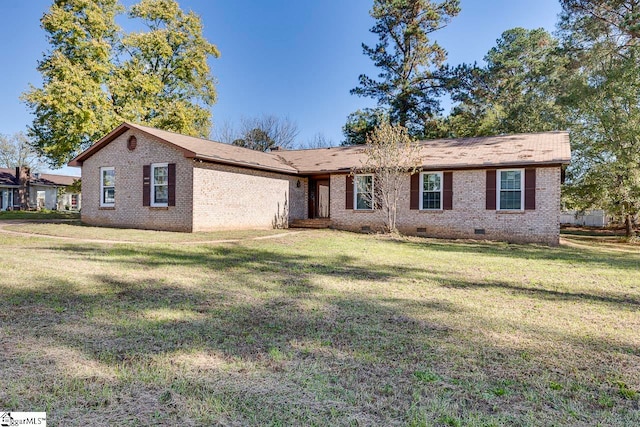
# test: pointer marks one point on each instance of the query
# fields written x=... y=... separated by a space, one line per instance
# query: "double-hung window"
x=510 y=190
x=431 y=194
x=159 y=184
x=107 y=186
x=363 y=192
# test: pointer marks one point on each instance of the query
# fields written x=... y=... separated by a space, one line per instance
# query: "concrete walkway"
x=9 y=222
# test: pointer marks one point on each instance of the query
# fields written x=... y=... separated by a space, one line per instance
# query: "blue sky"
x=284 y=57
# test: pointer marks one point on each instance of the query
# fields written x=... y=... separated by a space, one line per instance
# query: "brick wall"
x=208 y=196
x=234 y=197
x=128 y=210
x=537 y=226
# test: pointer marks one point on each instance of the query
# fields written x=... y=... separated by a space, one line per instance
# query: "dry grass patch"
x=321 y=328
x=79 y=231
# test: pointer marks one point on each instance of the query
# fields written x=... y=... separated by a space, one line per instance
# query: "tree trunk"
x=629 y=232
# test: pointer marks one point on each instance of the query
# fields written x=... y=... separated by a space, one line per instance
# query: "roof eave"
x=214 y=159
x=452 y=167
x=78 y=160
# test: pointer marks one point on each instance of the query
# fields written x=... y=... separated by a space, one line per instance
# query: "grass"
x=41 y=214
x=321 y=328
x=77 y=230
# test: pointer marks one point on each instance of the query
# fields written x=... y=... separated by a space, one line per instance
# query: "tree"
x=516 y=92
x=319 y=140
x=262 y=133
x=602 y=41
x=96 y=76
x=361 y=123
x=407 y=84
x=72 y=109
x=16 y=150
x=390 y=155
x=165 y=81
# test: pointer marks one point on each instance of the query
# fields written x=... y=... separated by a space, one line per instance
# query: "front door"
x=323 y=199
x=319 y=198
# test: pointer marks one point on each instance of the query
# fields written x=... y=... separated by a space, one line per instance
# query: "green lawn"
x=76 y=229
x=321 y=328
x=41 y=214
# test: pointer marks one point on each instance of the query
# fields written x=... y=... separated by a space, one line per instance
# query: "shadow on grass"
x=591 y=254
x=266 y=308
x=619 y=301
x=237 y=258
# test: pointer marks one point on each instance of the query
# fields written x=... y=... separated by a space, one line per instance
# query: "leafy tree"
x=516 y=92
x=601 y=39
x=361 y=123
x=72 y=108
x=390 y=155
x=407 y=58
x=262 y=133
x=96 y=76
x=16 y=150
x=165 y=81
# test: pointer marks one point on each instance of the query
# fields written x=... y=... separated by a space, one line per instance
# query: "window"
x=363 y=192
x=41 y=199
x=107 y=186
x=431 y=194
x=160 y=184
x=510 y=185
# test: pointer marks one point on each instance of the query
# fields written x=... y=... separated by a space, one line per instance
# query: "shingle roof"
x=197 y=148
x=494 y=151
x=53 y=180
x=8 y=178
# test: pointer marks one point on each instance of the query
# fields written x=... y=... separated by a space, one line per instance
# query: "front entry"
x=319 y=198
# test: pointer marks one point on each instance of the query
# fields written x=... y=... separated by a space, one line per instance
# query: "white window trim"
x=153 y=184
x=355 y=191
x=102 y=202
x=498 y=182
x=422 y=174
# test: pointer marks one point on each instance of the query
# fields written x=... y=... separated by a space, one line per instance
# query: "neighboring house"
x=21 y=189
x=499 y=188
x=592 y=218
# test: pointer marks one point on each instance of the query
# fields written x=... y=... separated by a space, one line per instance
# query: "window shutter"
x=171 y=187
x=447 y=191
x=146 y=185
x=348 y=193
x=530 y=189
x=414 y=195
x=491 y=190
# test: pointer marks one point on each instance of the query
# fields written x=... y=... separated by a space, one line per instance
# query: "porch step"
x=311 y=223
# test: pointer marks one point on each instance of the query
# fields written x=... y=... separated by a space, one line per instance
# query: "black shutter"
x=447 y=191
x=348 y=193
x=414 y=194
x=530 y=189
x=491 y=190
x=172 y=184
x=146 y=185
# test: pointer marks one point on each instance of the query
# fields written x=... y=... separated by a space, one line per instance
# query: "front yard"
x=319 y=328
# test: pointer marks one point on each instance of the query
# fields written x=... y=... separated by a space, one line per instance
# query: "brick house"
x=498 y=188
x=22 y=189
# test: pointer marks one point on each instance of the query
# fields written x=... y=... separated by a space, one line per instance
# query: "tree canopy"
x=517 y=90
x=262 y=133
x=407 y=85
x=95 y=75
x=601 y=40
